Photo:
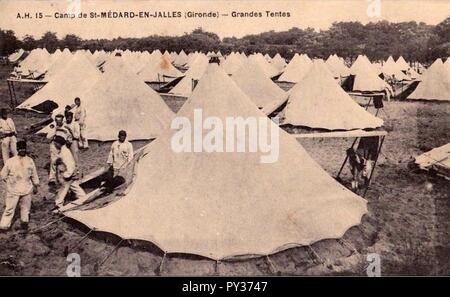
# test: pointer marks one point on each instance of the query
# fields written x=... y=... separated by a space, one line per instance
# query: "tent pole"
x=162 y=263
x=368 y=103
x=216 y=267
x=321 y=261
x=80 y=241
x=374 y=164
x=10 y=93
x=14 y=95
x=110 y=253
x=346 y=158
x=46 y=225
x=348 y=245
x=271 y=265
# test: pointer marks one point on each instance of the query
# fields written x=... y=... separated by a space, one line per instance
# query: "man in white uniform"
x=121 y=152
x=56 y=129
x=73 y=129
x=21 y=179
x=67 y=173
x=80 y=117
x=7 y=135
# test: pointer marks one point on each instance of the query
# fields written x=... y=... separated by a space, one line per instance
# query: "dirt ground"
x=408 y=223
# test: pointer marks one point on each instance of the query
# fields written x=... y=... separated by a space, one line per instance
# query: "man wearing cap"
x=73 y=129
x=56 y=129
x=121 y=152
x=67 y=172
x=80 y=117
x=21 y=179
x=7 y=135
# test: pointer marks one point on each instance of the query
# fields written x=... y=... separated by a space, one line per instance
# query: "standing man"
x=80 y=118
x=73 y=128
x=56 y=129
x=21 y=179
x=66 y=172
x=121 y=153
x=7 y=135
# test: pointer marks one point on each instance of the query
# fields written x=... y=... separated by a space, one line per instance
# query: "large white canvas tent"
x=36 y=63
x=392 y=70
x=181 y=59
x=120 y=100
x=258 y=87
x=59 y=62
x=438 y=159
x=159 y=69
x=402 y=64
x=435 y=84
x=186 y=84
x=317 y=101
x=77 y=76
x=269 y=70
x=278 y=62
x=366 y=78
x=224 y=204
x=337 y=67
x=232 y=63
x=296 y=69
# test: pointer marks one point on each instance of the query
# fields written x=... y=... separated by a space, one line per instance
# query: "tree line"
x=414 y=41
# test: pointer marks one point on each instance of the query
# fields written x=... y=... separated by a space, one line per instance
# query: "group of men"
x=67 y=136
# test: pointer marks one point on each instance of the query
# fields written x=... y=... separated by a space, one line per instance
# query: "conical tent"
x=402 y=64
x=232 y=63
x=278 y=62
x=435 y=84
x=337 y=67
x=296 y=69
x=317 y=101
x=58 y=64
x=159 y=70
x=186 y=84
x=392 y=69
x=77 y=76
x=269 y=70
x=220 y=205
x=258 y=87
x=120 y=100
x=36 y=63
x=366 y=78
x=181 y=59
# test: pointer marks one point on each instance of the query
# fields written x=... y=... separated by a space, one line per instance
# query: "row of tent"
x=121 y=87
x=316 y=93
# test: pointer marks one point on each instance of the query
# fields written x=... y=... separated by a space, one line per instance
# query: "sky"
x=318 y=14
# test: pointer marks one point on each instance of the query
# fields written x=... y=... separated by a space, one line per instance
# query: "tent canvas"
x=220 y=205
x=337 y=67
x=120 y=100
x=257 y=86
x=77 y=76
x=435 y=83
x=317 y=101
x=296 y=69
x=159 y=69
x=185 y=85
x=366 y=78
